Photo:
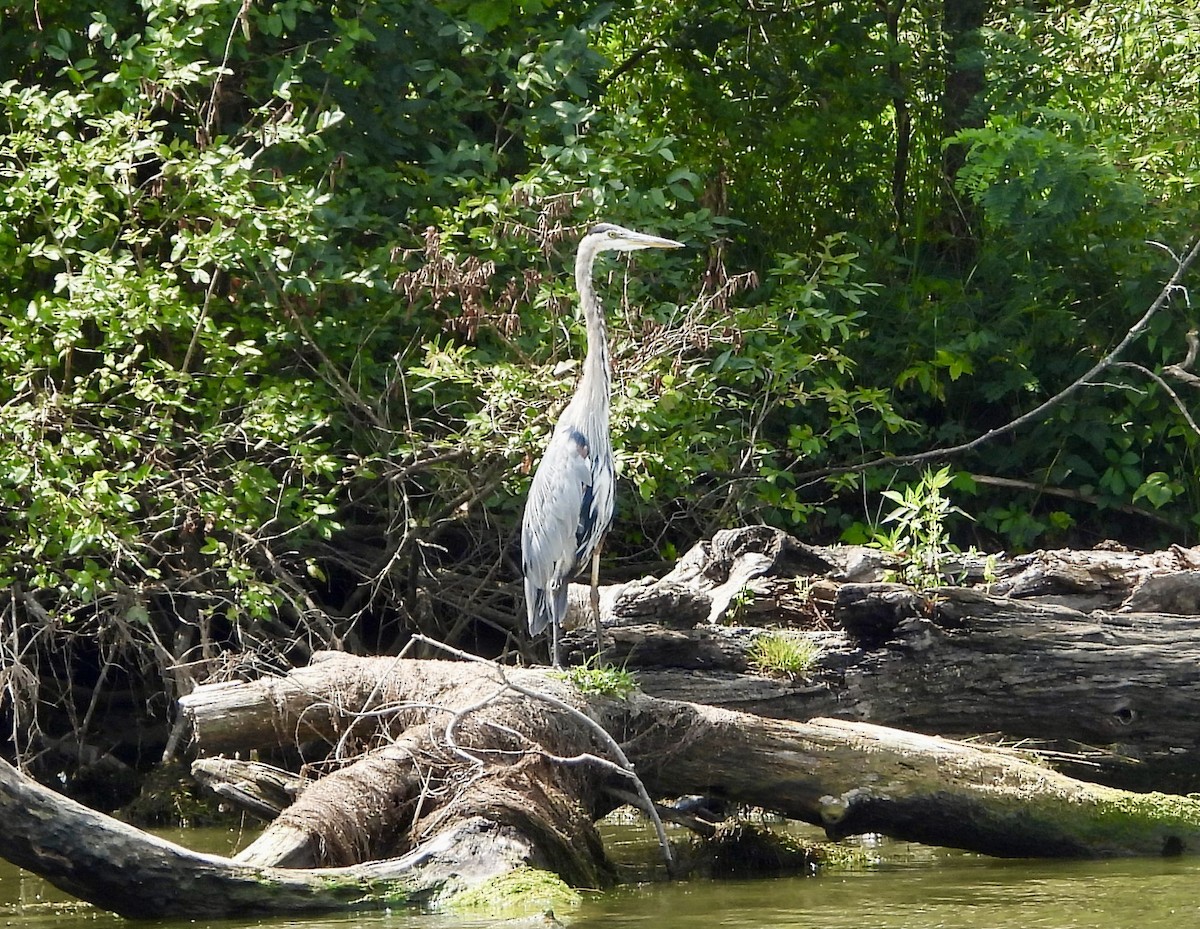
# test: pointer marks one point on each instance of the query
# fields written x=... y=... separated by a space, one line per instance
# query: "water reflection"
x=910 y=886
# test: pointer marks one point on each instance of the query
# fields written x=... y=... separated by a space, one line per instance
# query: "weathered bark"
x=1126 y=682
x=1094 y=652
x=135 y=874
x=350 y=816
x=283 y=710
x=845 y=777
x=261 y=789
x=856 y=778
x=370 y=808
x=138 y=875
x=506 y=782
x=454 y=774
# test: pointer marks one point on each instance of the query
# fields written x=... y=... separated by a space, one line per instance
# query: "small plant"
x=784 y=653
x=919 y=538
x=604 y=681
x=739 y=603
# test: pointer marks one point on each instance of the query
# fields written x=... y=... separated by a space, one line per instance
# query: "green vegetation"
x=784 y=653
x=286 y=308
x=605 y=681
x=838 y=856
x=920 y=537
x=741 y=848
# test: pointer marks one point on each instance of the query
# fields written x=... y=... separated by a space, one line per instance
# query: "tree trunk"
x=442 y=776
x=846 y=777
x=509 y=778
x=1095 y=654
x=901 y=118
x=962 y=21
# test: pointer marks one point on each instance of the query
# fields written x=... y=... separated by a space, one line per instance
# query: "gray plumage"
x=570 y=503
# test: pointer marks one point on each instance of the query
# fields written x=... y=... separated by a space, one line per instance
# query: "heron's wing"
x=549 y=529
x=596 y=507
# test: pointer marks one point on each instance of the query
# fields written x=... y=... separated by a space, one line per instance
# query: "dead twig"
x=1183 y=370
x=1179 y=404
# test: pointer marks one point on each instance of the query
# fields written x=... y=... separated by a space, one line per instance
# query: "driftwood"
x=261 y=789
x=466 y=828
x=441 y=776
x=465 y=777
x=120 y=868
x=1094 y=654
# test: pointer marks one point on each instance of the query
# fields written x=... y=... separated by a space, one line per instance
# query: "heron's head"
x=608 y=237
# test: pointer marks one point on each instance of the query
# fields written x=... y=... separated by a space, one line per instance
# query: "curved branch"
x=1183 y=370
x=1179 y=404
x=75 y=848
x=1040 y=410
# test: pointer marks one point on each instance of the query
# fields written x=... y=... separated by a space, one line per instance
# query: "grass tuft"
x=784 y=653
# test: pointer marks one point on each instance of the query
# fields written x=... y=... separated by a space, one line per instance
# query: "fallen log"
x=1089 y=654
x=139 y=876
x=511 y=780
x=135 y=874
x=261 y=789
x=846 y=777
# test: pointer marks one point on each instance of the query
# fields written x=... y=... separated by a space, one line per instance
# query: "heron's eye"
x=612 y=233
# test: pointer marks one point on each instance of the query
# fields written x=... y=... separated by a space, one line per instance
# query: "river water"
x=907 y=887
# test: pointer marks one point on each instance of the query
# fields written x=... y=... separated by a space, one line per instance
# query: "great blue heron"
x=570 y=503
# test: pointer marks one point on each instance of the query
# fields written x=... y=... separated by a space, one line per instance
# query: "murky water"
x=910 y=886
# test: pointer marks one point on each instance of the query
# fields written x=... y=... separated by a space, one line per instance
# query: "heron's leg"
x=596 y=600
x=554 y=656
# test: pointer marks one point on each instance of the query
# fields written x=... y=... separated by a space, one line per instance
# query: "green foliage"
x=920 y=537
x=601 y=681
x=784 y=117
x=288 y=314
x=784 y=653
x=1038 y=180
x=760 y=389
x=1073 y=175
x=147 y=442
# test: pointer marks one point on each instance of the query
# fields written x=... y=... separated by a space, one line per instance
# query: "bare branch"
x=1170 y=288
x=1068 y=493
x=1183 y=370
x=1179 y=404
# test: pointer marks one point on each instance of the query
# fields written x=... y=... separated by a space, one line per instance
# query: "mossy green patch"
x=383 y=893
x=746 y=849
x=517 y=894
x=1149 y=823
x=835 y=856
x=170 y=796
x=743 y=849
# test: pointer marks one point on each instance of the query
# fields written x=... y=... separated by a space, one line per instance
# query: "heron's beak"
x=641 y=240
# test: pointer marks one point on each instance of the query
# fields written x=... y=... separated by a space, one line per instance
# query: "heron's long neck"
x=596 y=366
